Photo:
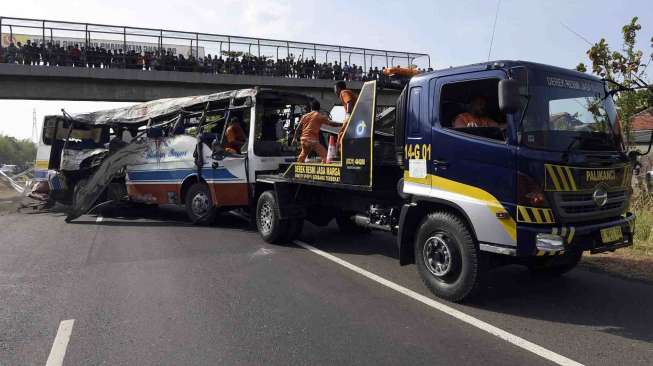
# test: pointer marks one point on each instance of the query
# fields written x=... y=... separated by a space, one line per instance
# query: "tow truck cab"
x=550 y=178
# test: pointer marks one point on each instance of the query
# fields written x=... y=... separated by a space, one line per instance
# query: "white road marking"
x=60 y=344
x=498 y=332
x=99 y=219
x=261 y=252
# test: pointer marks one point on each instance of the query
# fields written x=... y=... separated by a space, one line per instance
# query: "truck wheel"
x=268 y=222
x=556 y=265
x=347 y=226
x=447 y=257
x=199 y=205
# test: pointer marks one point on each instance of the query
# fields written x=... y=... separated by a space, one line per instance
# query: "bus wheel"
x=268 y=222
x=446 y=256
x=199 y=205
x=556 y=265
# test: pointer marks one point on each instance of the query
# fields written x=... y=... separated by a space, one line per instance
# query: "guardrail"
x=196 y=42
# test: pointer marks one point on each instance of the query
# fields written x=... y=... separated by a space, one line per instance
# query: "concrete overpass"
x=122 y=85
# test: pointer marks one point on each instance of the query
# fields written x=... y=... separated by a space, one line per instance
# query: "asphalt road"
x=151 y=289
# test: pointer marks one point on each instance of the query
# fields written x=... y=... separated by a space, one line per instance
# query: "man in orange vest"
x=309 y=125
x=476 y=117
x=235 y=136
x=348 y=101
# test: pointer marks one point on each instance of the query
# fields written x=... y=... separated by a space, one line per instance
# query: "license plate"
x=611 y=234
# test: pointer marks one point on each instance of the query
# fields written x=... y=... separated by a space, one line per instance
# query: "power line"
x=494 y=28
x=576 y=33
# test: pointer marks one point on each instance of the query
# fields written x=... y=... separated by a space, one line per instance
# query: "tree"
x=13 y=151
x=627 y=69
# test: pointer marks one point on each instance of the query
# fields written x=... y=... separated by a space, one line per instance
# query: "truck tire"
x=447 y=257
x=268 y=221
x=347 y=226
x=199 y=205
x=556 y=265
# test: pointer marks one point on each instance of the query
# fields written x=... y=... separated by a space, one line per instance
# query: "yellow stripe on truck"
x=523 y=214
x=535 y=215
x=552 y=175
x=493 y=204
x=570 y=176
x=561 y=175
x=509 y=224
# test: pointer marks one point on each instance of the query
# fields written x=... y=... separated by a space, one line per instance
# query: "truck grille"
x=575 y=206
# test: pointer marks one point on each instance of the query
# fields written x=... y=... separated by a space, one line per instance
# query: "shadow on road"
x=158 y=216
x=612 y=305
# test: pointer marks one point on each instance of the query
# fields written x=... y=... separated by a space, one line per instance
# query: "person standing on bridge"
x=310 y=125
x=348 y=100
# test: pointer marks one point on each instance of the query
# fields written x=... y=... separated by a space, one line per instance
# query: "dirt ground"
x=622 y=263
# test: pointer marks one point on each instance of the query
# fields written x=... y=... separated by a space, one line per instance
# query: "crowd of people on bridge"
x=238 y=63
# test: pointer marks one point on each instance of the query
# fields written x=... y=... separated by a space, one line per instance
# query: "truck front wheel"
x=268 y=222
x=447 y=257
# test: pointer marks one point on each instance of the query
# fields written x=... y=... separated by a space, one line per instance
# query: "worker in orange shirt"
x=235 y=136
x=309 y=125
x=476 y=117
x=348 y=101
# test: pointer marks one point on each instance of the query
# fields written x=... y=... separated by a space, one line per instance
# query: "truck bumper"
x=553 y=240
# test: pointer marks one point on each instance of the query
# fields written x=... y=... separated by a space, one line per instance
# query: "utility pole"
x=35 y=130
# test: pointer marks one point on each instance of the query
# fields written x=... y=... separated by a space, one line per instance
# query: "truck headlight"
x=549 y=242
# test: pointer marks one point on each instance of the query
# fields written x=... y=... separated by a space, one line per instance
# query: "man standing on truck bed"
x=309 y=125
x=348 y=100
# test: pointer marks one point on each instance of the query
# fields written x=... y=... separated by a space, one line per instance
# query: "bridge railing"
x=195 y=43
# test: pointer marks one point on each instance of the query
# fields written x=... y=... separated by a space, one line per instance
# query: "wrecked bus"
x=172 y=151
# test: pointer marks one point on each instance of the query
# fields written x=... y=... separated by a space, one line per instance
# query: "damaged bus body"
x=171 y=151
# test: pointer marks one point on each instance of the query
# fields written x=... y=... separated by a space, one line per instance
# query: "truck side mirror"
x=509 y=101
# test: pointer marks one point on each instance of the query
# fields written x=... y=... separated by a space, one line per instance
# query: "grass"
x=636 y=261
x=643 y=208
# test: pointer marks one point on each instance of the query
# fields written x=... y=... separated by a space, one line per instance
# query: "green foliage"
x=14 y=151
x=626 y=67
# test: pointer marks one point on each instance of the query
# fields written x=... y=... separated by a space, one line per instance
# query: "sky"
x=452 y=32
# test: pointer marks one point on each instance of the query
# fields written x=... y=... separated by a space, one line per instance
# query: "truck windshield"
x=567 y=113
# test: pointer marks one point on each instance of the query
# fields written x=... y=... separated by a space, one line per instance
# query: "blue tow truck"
x=546 y=181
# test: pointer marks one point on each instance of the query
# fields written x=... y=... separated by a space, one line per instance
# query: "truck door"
x=417 y=149
x=472 y=161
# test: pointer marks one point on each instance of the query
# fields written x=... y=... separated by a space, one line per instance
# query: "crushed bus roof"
x=139 y=114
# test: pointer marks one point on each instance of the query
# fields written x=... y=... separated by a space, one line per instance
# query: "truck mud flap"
x=288 y=209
